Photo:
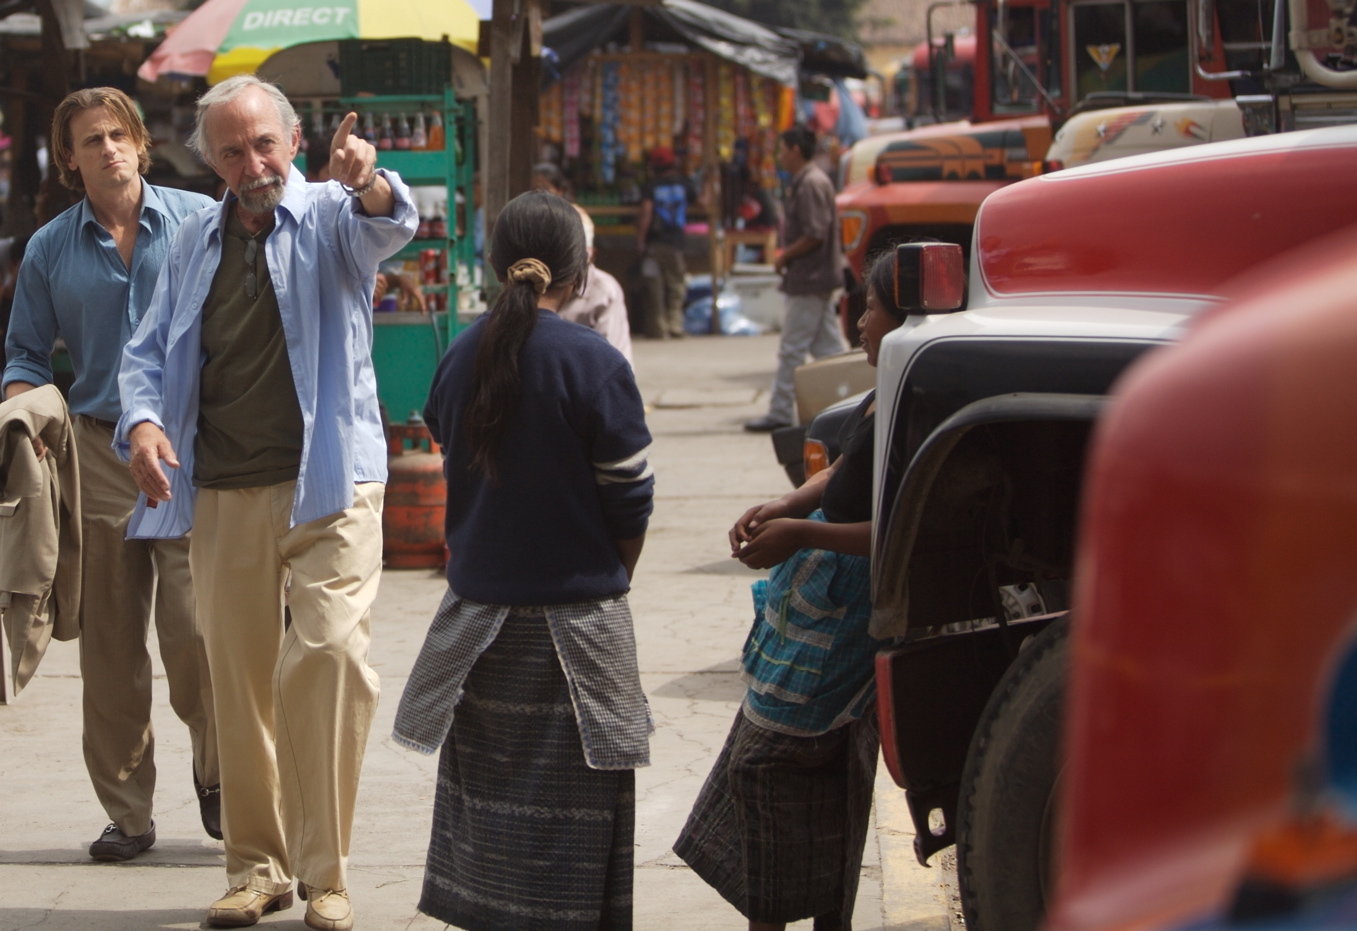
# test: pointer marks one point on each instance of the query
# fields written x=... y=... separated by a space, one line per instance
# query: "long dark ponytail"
x=537 y=242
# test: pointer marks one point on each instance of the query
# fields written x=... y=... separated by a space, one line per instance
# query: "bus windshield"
x=1130 y=46
x=1025 y=73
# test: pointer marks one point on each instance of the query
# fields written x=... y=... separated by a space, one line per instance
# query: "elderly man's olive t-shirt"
x=249 y=421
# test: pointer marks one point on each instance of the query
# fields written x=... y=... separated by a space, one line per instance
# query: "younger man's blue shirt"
x=73 y=284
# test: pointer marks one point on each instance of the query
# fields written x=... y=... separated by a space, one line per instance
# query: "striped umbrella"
x=226 y=37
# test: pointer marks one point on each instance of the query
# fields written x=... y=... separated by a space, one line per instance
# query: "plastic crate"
x=393 y=67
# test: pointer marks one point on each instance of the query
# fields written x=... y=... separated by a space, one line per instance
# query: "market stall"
x=713 y=88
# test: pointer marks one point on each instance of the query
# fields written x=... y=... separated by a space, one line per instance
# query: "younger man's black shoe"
x=209 y=806
x=113 y=844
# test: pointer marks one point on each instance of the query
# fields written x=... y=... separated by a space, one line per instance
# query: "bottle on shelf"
x=419 y=136
x=438 y=229
x=385 y=136
x=401 y=140
x=423 y=204
x=435 y=132
x=369 y=129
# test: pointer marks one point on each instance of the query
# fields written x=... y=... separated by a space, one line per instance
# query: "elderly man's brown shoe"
x=242 y=907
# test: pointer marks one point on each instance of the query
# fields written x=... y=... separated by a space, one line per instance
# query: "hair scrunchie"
x=532 y=271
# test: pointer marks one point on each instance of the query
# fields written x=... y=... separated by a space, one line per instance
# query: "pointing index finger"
x=342 y=132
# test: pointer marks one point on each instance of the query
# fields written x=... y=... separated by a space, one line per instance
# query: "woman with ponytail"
x=527 y=681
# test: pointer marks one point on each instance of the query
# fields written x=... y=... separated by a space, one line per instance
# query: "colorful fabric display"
x=678 y=87
x=725 y=112
x=570 y=107
x=648 y=76
x=697 y=112
x=744 y=107
x=549 y=114
x=610 y=145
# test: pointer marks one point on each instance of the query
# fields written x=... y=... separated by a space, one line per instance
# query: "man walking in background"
x=811 y=267
x=87 y=276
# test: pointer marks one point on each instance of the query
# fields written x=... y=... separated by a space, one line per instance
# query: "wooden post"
x=636 y=30
x=711 y=161
x=515 y=69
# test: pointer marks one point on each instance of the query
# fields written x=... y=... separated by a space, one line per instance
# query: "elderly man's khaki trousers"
x=293 y=708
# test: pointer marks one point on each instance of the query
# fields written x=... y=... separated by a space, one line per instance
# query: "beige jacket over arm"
x=39 y=530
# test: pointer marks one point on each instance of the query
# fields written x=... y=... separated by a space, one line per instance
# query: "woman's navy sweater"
x=573 y=474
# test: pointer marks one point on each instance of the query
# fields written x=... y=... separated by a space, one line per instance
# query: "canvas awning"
x=576 y=33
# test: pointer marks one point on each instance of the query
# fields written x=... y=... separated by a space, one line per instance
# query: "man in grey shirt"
x=811 y=267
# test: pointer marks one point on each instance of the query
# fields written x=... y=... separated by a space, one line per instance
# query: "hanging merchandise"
x=786 y=106
x=765 y=104
x=570 y=113
x=552 y=128
x=697 y=113
x=678 y=83
x=595 y=114
x=664 y=106
x=725 y=112
x=610 y=110
x=648 y=136
x=744 y=107
x=586 y=74
x=630 y=131
x=595 y=110
x=758 y=136
x=609 y=104
x=763 y=151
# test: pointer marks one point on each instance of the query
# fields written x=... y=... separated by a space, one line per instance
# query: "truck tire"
x=1005 y=813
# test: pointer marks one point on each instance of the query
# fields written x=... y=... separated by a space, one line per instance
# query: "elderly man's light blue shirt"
x=322 y=258
x=74 y=284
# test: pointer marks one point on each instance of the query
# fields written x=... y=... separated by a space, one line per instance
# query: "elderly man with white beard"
x=250 y=416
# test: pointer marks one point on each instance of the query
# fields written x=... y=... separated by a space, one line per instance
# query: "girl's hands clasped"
x=744 y=528
x=772 y=542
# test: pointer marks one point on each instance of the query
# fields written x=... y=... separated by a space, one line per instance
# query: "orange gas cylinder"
x=416 y=500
